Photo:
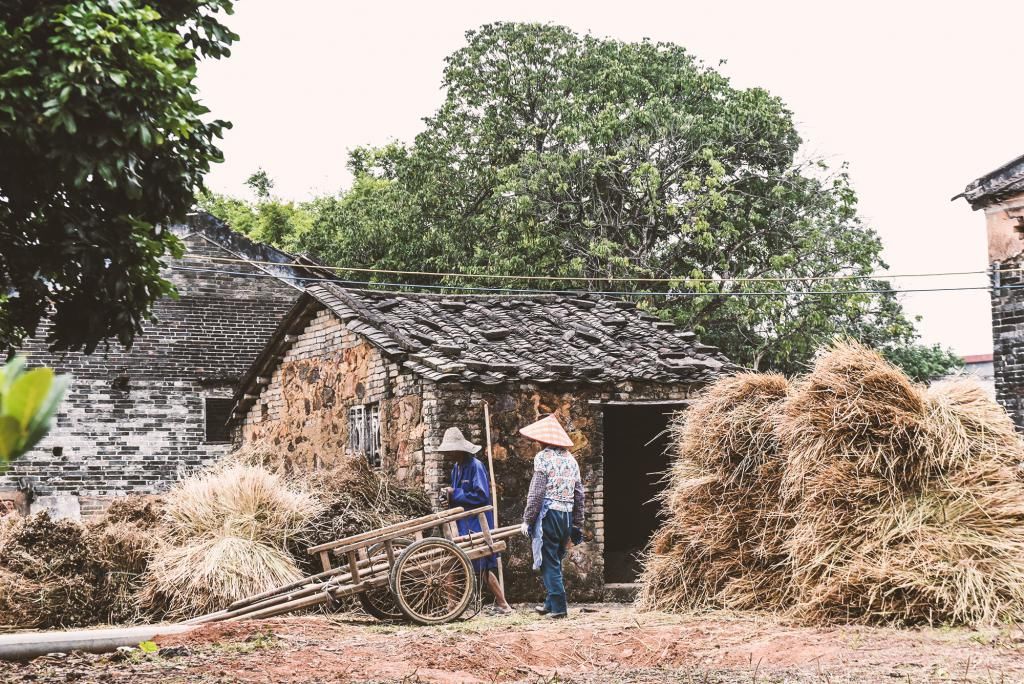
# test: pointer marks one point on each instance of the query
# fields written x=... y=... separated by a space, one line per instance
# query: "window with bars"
x=364 y=432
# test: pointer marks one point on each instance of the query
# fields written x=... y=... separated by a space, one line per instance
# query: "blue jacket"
x=470 y=489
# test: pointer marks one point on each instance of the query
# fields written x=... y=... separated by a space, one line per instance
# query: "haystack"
x=722 y=543
x=358 y=498
x=47 y=577
x=897 y=504
x=122 y=544
x=907 y=504
x=227 y=532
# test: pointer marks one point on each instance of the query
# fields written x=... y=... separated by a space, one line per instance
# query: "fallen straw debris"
x=881 y=501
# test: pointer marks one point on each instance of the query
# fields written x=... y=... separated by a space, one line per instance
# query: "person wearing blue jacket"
x=470 y=488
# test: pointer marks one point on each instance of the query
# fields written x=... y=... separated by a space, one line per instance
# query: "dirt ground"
x=598 y=643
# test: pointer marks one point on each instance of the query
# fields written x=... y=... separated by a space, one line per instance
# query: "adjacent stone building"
x=382 y=375
x=135 y=419
x=1000 y=194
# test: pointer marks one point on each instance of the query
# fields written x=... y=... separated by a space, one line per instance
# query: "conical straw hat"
x=454 y=441
x=547 y=430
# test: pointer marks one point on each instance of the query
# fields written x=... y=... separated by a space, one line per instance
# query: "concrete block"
x=59 y=506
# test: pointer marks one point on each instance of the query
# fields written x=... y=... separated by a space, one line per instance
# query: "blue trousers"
x=556 y=526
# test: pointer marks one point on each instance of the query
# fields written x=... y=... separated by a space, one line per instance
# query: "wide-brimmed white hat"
x=547 y=430
x=454 y=441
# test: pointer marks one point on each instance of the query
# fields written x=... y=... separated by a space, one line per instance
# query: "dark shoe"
x=541 y=610
x=557 y=616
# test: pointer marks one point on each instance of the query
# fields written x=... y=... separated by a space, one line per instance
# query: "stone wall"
x=578 y=408
x=1008 y=336
x=302 y=414
x=134 y=419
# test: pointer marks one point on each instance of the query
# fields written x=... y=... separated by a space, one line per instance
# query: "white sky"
x=919 y=98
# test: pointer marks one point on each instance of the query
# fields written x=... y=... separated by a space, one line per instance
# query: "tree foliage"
x=102 y=139
x=268 y=218
x=923 y=363
x=610 y=163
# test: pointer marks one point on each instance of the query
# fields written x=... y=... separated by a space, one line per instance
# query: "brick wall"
x=134 y=419
x=1008 y=337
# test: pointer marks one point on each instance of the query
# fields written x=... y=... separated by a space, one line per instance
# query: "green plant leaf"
x=9 y=372
x=10 y=435
x=26 y=395
x=148 y=647
x=41 y=420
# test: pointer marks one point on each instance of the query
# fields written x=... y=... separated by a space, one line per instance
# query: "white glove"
x=525 y=529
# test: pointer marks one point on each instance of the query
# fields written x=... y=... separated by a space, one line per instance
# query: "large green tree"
x=102 y=138
x=610 y=162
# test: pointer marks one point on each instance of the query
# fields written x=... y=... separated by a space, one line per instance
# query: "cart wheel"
x=433 y=581
x=380 y=602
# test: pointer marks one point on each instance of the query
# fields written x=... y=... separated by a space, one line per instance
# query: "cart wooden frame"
x=395 y=571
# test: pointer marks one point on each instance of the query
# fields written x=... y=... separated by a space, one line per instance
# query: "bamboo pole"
x=494 y=488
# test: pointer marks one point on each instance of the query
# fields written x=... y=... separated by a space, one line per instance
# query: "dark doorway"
x=635 y=460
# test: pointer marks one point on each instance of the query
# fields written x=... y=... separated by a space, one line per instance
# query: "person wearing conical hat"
x=554 y=509
x=470 y=488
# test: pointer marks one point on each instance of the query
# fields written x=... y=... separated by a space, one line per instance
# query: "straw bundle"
x=887 y=502
x=238 y=500
x=47 y=578
x=907 y=505
x=227 y=531
x=358 y=498
x=213 y=571
x=855 y=404
x=722 y=543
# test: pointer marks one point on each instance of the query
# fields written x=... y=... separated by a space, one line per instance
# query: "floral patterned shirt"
x=556 y=478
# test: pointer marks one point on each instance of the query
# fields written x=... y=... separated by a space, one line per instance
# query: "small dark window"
x=364 y=432
x=218 y=411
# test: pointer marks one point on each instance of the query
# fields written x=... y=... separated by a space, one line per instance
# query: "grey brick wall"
x=133 y=420
x=1008 y=337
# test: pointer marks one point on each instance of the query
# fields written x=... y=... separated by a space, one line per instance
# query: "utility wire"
x=499 y=276
x=375 y=286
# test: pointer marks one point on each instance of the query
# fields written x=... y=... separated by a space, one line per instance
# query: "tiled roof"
x=542 y=338
x=1008 y=179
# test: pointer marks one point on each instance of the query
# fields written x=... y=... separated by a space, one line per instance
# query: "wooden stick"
x=494 y=488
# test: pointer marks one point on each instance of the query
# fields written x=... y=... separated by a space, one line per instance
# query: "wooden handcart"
x=397 y=572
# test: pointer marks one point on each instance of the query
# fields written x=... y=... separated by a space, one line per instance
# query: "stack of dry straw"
x=850 y=495
x=232 y=530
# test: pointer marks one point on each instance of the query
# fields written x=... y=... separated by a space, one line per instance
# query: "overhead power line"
x=625 y=279
x=378 y=287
